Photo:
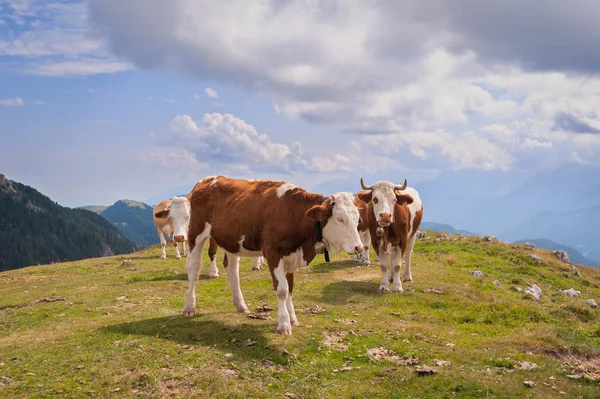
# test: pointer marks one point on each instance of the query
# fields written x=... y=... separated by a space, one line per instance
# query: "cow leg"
x=233 y=276
x=212 y=254
x=383 y=265
x=258 y=262
x=282 y=291
x=408 y=258
x=177 y=254
x=194 y=264
x=163 y=244
x=288 y=303
x=396 y=264
x=185 y=250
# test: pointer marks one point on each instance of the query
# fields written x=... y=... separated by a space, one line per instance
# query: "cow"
x=394 y=215
x=164 y=226
x=281 y=221
x=363 y=230
x=177 y=214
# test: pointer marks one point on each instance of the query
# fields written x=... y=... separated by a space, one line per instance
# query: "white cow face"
x=341 y=223
x=384 y=196
x=179 y=212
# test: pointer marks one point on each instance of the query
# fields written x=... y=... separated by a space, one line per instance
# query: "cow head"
x=384 y=196
x=339 y=217
x=179 y=212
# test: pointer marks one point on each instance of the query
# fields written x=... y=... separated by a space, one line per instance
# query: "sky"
x=108 y=99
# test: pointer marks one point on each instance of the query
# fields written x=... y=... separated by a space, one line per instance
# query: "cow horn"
x=364 y=186
x=400 y=187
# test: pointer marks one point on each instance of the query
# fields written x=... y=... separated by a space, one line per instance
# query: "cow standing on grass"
x=165 y=227
x=275 y=219
x=174 y=215
x=394 y=215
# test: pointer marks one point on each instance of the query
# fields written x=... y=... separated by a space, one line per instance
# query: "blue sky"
x=108 y=99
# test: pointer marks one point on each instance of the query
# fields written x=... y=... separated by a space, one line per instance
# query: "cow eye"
x=375 y=200
x=340 y=219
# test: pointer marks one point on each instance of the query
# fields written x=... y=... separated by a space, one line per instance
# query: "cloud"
x=81 y=67
x=211 y=93
x=12 y=102
x=416 y=70
x=53 y=39
x=225 y=140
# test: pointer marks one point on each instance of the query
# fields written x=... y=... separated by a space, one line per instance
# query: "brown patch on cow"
x=417 y=220
x=365 y=196
x=363 y=209
x=403 y=198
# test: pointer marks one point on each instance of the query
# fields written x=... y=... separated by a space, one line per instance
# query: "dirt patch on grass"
x=380 y=353
x=335 y=340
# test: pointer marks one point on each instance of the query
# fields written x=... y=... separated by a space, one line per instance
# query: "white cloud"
x=81 y=67
x=211 y=93
x=54 y=39
x=12 y=102
x=223 y=139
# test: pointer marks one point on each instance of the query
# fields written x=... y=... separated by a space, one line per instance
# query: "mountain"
x=574 y=255
x=578 y=229
x=134 y=219
x=446 y=228
x=34 y=229
x=93 y=208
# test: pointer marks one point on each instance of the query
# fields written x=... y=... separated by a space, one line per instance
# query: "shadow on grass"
x=200 y=331
x=166 y=277
x=340 y=292
x=334 y=265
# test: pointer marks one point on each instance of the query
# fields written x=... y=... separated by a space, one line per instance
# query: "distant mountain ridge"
x=446 y=228
x=134 y=219
x=36 y=230
x=93 y=208
x=574 y=255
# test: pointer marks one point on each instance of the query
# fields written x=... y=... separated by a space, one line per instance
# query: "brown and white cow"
x=394 y=215
x=274 y=219
x=177 y=213
x=164 y=227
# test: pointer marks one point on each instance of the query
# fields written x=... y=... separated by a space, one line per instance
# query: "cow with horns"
x=394 y=214
x=283 y=222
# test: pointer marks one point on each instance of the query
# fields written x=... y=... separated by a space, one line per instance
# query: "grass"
x=119 y=332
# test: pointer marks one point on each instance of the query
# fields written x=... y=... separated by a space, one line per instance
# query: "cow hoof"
x=397 y=289
x=256 y=268
x=407 y=280
x=188 y=313
x=367 y=263
x=295 y=323
x=285 y=331
x=163 y=257
x=178 y=257
x=244 y=311
x=383 y=289
x=213 y=275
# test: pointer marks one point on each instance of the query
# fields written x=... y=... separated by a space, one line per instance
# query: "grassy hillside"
x=117 y=331
x=574 y=255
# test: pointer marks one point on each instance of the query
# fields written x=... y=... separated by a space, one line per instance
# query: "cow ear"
x=317 y=212
x=403 y=198
x=365 y=196
x=162 y=214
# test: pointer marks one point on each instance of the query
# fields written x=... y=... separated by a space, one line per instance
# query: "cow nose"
x=359 y=249
x=179 y=238
x=385 y=217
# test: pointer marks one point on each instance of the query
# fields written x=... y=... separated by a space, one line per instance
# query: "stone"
x=572 y=292
x=534 y=291
x=536 y=258
x=561 y=255
x=529 y=246
x=421 y=234
x=497 y=283
x=592 y=303
x=489 y=238
x=476 y=273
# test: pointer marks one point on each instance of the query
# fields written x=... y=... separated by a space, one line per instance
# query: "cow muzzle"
x=384 y=219
x=179 y=238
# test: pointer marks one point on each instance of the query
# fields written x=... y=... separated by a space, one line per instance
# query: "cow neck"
x=319 y=232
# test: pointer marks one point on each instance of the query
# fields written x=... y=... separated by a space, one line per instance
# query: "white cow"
x=167 y=226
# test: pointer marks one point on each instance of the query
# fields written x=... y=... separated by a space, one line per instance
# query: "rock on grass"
x=534 y=291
